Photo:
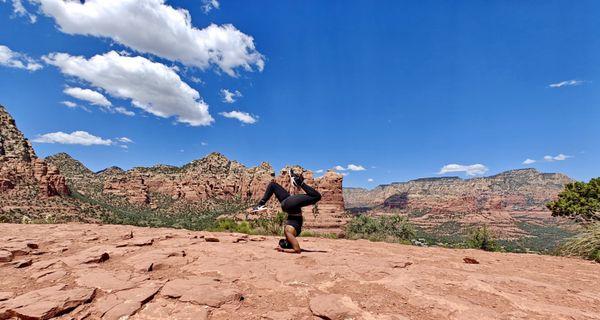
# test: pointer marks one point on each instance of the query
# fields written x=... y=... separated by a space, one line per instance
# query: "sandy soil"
x=78 y=271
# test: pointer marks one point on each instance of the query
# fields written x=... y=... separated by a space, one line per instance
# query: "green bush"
x=382 y=228
x=579 y=201
x=269 y=226
x=481 y=238
x=585 y=244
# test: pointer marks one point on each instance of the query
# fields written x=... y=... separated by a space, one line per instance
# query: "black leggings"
x=292 y=204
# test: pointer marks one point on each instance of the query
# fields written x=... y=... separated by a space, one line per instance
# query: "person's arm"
x=289 y=250
x=290 y=235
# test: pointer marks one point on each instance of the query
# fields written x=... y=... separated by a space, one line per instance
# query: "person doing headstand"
x=292 y=205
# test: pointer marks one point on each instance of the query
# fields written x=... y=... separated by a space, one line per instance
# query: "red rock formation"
x=202 y=182
x=21 y=172
x=499 y=201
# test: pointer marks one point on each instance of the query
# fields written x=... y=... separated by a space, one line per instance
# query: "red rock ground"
x=79 y=271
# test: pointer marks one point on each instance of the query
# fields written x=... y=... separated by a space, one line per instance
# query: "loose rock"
x=333 y=306
x=470 y=260
x=5 y=256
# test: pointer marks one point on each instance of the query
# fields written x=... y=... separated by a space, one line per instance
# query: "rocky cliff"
x=199 y=184
x=502 y=200
x=22 y=173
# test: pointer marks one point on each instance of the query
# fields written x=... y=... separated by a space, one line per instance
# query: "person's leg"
x=274 y=188
x=294 y=202
x=311 y=192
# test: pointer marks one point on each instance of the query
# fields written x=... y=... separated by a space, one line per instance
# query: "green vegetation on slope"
x=393 y=228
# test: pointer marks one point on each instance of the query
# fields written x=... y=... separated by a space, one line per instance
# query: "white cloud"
x=567 y=83
x=529 y=161
x=124 y=111
x=196 y=80
x=559 y=157
x=77 y=137
x=353 y=167
x=13 y=59
x=370 y=180
x=69 y=104
x=241 y=116
x=204 y=144
x=124 y=140
x=471 y=170
x=208 y=5
x=151 y=86
x=151 y=26
x=230 y=97
x=73 y=105
x=350 y=167
x=344 y=173
x=319 y=171
x=91 y=96
x=20 y=10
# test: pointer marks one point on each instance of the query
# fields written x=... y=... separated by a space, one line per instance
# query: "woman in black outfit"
x=292 y=205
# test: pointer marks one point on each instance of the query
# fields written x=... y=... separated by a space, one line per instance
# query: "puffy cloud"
x=471 y=170
x=319 y=171
x=151 y=86
x=241 y=116
x=559 y=157
x=350 y=167
x=353 y=167
x=370 y=180
x=567 y=83
x=230 y=97
x=529 y=161
x=91 y=96
x=208 y=5
x=77 y=137
x=9 y=58
x=151 y=26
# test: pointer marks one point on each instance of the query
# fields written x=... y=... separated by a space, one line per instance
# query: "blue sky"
x=401 y=89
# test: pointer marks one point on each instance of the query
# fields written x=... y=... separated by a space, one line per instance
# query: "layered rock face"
x=22 y=173
x=500 y=201
x=201 y=183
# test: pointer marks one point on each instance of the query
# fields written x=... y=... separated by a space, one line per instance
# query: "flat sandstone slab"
x=84 y=271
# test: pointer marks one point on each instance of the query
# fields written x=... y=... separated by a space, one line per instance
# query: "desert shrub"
x=269 y=225
x=228 y=224
x=383 y=228
x=585 y=244
x=579 y=201
x=481 y=238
